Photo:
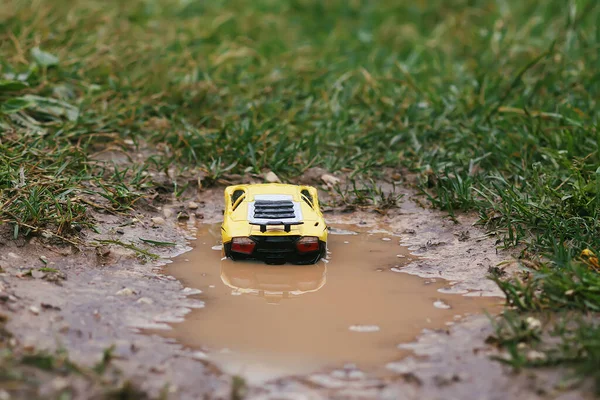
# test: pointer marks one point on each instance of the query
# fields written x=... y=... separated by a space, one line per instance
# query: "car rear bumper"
x=278 y=250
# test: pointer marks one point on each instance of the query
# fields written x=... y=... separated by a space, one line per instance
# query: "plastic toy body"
x=275 y=223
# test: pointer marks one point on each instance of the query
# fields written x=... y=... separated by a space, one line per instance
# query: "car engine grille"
x=274 y=209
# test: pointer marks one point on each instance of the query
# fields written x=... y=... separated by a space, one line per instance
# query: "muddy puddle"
x=263 y=322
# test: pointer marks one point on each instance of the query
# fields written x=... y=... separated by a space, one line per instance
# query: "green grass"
x=491 y=105
x=362 y=195
x=561 y=339
x=567 y=297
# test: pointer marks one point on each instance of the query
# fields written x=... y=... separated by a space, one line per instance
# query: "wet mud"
x=355 y=308
x=111 y=300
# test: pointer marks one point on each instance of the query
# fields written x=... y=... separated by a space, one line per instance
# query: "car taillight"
x=307 y=244
x=242 y=245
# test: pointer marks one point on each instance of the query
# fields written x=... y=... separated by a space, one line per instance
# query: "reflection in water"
x=353 y=309
x=272 y=282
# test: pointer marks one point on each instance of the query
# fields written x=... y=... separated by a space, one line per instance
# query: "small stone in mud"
x=330 y=180
x=364 y=328
x=536 y=356
x=59 y=384
x=183 y=215
x=451 y=290
x=168 y=213
x=55 y=277
x=34 y=310
x=37 y=274
x=199 y=355
x=271 y=177
x=191 y=291
x=145 y=300
x=120 y=231
x=441 y=305
x=125 y=292
x=533 y=323
x=386 y=239
x=158 y=220
x=192 y=206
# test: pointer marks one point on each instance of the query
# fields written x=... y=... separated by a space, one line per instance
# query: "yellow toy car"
x=274 y=223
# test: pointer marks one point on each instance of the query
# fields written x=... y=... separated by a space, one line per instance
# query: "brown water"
x=263 y=321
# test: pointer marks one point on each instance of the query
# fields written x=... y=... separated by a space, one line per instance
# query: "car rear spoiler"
x=287 y=226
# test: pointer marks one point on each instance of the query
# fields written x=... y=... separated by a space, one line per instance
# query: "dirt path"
x=101 y=299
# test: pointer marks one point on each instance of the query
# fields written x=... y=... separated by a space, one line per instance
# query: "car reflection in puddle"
x=273 y=283
x=267 y=321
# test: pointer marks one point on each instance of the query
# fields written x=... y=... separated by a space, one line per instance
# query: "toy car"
x=274 y=223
